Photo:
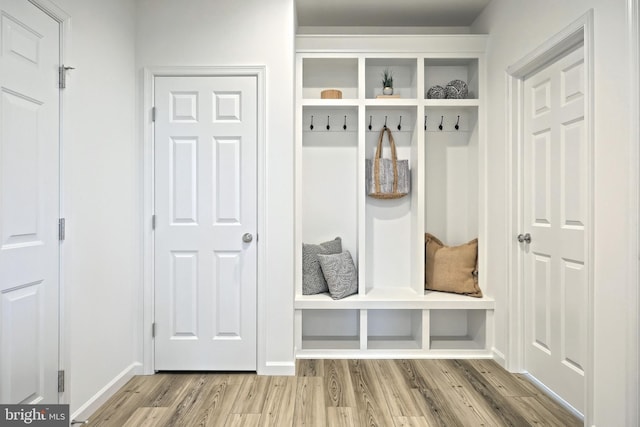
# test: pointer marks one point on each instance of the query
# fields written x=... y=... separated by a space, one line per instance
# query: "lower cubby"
x=330 y=330
x=394 y=329
x=436 y=325
x=457 y=329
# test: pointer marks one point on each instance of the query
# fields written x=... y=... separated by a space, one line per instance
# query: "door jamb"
x=148 y=198
x=578 y=32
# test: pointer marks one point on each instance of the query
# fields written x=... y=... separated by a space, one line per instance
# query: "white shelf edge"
x=392 y=298
x=317 y=102
x=451 y=102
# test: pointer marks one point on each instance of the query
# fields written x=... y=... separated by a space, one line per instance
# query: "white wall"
x=248 y=32
x=102 y=262
x=516 y=27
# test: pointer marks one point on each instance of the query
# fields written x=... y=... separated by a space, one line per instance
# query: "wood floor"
x=385 y=393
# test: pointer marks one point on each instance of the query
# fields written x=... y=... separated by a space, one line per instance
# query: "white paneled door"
x=29 y=204
x=555 y=221
x=206 y=219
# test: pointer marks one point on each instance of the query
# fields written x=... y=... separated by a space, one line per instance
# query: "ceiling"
x=389 y=13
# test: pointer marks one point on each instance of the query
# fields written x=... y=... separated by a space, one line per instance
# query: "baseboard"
x=499 y=358
x=90 y=406
x=278 y=369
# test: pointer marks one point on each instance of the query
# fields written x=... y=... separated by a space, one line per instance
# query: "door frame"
x=578 y=32
x=148 y=198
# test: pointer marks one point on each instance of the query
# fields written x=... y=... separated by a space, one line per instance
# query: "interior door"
x=555 y=220
x=206 y=217
x=29 y=204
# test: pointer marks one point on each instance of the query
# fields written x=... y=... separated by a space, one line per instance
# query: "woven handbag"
x=387 y=178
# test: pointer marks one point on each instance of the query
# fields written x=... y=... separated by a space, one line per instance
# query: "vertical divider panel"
x=426 y=329
x=297 y=319
x=361 y=196
x=418 y=190
x=298 y=183
x=364 y=326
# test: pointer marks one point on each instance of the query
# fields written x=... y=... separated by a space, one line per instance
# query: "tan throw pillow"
x=451 y=268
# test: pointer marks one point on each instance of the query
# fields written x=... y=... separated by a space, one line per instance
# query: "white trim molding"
x=633 y=300
x=148 y=239
x=578 y=33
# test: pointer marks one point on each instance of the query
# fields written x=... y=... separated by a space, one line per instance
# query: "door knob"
x=524 y=238
x=247 y=237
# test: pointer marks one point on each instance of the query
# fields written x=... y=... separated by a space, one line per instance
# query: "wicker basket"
x=331 y=94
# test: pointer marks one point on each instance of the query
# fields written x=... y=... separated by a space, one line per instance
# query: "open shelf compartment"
x=394 y=329
x=440 y=71
x=404 y=71
x=457 y=329
x=330 y=330
x=329 y=73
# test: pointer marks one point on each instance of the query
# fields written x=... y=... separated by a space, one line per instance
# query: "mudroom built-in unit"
x=341 y=109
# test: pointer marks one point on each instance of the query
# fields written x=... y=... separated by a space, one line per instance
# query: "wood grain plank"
x=372 y=406
x=279 y=404
x=220 y=400
x=411 y=422
x=538 y=414
x=500 y=379
x=310 y=406
x=309 y=368
x=146 y=417
x=342 y=417
x=337 y=384
x=486 y=399
x=252 y=394
x=436 y=409
x=242 y=420
x=398 y=396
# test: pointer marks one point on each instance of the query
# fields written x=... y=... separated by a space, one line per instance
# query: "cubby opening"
x=404 y=72
x=331 y=330
x=451 y=174
x=457 y=329
x=441 y=71
x=389 y=223
x=394 y=329
x=319 y=74
x=329 y=177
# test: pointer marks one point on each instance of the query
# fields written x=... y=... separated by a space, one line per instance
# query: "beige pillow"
x=451 y=268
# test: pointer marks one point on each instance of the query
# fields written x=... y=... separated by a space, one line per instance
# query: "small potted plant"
x=387 y=82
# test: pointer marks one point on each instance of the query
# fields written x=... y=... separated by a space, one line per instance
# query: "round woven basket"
x=331 y=94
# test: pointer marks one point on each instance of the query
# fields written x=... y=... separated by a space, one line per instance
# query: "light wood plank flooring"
x=385 y=393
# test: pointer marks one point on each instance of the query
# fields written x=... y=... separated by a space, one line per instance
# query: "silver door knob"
x=524 y=238
x=247 y=237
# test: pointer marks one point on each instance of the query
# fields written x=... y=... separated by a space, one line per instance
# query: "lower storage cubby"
x=394 y=329
x=457 y=329
x=330 y=330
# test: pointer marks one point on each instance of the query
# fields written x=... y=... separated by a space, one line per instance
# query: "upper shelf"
x=344 y=74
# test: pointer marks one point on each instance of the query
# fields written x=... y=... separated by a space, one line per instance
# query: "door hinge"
x=153 y=222
x=153 y=114
x=62 y=76
x=61 y=229
x=60 y=381
x=153 y=330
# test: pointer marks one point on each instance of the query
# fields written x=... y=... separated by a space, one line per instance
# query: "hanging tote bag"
x=387 y=178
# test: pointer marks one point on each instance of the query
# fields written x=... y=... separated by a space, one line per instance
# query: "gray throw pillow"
x=313 y=281
x=340 y=273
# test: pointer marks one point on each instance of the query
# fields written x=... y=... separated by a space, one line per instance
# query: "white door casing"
x=555 y=207
x=206 y=214
x=29 y=204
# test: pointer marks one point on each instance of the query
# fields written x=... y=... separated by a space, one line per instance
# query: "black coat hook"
x=370 y=123
x=457 y=126
x=441 y=121
x=344 y=126
x=400 y=123
x=425 y=122
x=385 y=122
x=311 y=127
x=328 y=125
